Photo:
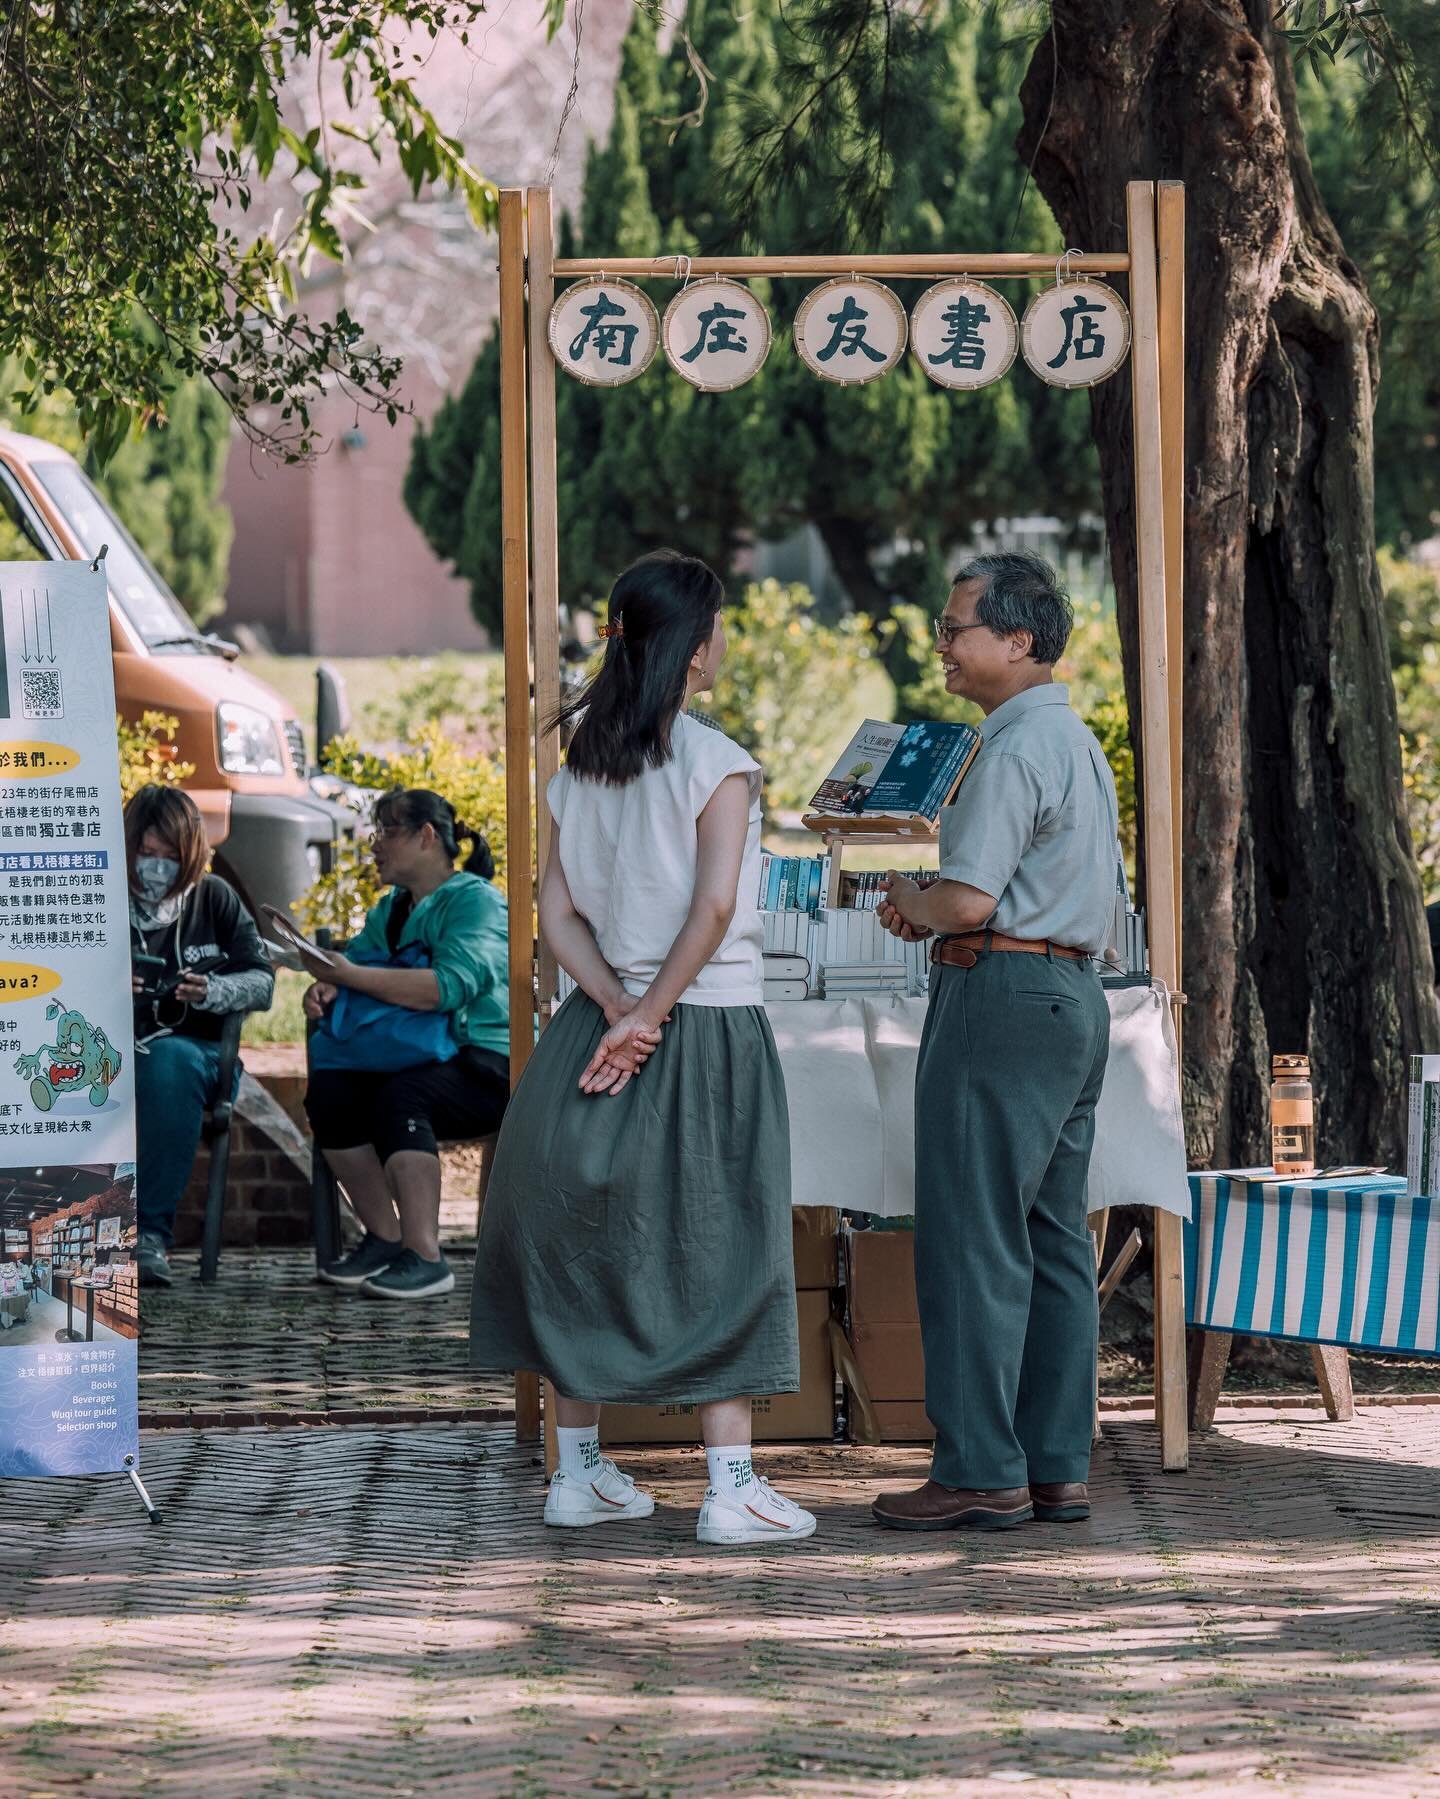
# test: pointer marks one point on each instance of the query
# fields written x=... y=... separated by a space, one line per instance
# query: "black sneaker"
x=410 y=1277
x=152 y=1262
x=369 y=1256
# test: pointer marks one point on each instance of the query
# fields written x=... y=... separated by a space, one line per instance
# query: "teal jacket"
x=463 y=925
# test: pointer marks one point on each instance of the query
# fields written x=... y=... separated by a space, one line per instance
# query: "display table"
x=850 y=1076
x=1348 y=1264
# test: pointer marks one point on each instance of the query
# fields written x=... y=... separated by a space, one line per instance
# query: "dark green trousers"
x=1011 y=1062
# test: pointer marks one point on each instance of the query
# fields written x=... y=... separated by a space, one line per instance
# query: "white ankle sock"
x=730 y=1470
x=579 y=1451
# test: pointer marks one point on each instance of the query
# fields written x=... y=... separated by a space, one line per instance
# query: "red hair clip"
x=616 y=630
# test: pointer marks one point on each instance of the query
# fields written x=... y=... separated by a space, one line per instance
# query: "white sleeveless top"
x=629 y=855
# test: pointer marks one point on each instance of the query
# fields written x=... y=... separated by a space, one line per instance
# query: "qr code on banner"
x=40 y=693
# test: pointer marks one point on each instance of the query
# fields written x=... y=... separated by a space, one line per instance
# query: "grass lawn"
x=369 y=680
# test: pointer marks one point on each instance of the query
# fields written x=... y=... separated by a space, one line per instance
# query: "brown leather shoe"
x=933 y=1507
x=1060 y=1501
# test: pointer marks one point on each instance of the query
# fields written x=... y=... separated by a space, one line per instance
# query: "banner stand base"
x=139 y=1486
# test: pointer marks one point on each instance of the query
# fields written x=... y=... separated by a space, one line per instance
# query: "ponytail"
x=480 y=861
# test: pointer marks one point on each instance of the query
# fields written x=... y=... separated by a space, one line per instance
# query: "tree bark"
x=1304 y=927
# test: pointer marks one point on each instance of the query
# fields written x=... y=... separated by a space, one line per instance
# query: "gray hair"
x=1022 y=593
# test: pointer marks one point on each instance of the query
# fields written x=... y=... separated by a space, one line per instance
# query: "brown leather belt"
x=963 y=950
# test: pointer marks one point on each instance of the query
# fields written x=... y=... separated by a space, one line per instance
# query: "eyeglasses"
x=379 y=832
x=946 y=630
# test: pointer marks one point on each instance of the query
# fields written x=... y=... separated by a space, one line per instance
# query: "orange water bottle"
x=1292 y=1117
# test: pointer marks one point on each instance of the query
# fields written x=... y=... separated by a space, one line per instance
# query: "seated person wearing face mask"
x=193 y=925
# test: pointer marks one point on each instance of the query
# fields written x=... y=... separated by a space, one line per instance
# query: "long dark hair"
x=413 y=807
x=664 y=608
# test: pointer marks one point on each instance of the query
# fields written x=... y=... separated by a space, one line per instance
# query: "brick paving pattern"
x=363 y=1611
x=269 y=1340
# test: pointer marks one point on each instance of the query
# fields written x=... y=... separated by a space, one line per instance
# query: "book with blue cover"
x=899 y=771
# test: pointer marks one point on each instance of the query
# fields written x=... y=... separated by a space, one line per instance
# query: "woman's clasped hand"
x=624 y=1050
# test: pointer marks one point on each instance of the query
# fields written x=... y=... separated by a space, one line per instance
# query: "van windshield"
x=142 y=596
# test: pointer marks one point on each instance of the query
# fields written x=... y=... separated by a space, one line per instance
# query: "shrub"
x=785 y=675
x=147 y=753
x=473 y=784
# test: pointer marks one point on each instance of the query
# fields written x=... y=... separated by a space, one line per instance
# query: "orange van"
x=271 y=831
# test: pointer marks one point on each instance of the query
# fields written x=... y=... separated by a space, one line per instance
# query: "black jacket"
x=213 y=922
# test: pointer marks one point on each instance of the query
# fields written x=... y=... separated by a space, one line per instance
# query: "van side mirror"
x=332 y=708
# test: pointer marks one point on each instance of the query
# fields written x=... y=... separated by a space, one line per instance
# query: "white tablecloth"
x=850 y=1075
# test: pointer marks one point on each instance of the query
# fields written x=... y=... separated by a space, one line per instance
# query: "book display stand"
x=1153 y=263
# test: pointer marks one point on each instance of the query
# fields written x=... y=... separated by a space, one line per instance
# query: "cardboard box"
x=806 y=1416
x=885 y=1331
x=890 y=1359
x=880 y=1276
x=816 y=1236
x=903 y=1421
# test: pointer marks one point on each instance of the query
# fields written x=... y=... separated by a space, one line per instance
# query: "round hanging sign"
x=1075 y=334
x=963 y=334
x=603 y=332
x=716 y=334
x=851 y=330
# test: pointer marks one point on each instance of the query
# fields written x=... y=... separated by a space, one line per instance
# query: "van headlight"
x=249 y=742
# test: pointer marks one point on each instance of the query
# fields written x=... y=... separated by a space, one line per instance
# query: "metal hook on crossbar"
x=95 y=565
x=1062 y=263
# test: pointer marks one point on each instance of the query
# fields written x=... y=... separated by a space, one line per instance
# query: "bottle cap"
x=1291 y=1065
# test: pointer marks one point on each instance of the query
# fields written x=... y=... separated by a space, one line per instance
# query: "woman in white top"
x=636 y=1240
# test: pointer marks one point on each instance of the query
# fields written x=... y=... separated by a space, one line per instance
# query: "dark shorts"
x=416 y=1110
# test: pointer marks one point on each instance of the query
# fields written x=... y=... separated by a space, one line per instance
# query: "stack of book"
x=843 y=979
x=793 y=883
x=863 y=891
x=787 y=977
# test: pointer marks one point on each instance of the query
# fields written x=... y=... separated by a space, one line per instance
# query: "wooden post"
x=1170 y=233
x=1170 y=230
x=1161 y=897
x=544 y=540
x=545 y=594
x=515 y=538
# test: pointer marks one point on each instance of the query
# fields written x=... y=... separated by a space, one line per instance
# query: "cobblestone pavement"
x=268 y=1339
x=379 y=1611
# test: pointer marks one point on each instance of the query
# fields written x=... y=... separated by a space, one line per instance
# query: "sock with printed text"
x=730 y=1470
x=579 y=1452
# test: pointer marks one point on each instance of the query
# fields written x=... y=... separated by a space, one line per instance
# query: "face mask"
x=155 y=876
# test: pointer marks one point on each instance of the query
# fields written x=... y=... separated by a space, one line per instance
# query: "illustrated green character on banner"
x=81 y=1056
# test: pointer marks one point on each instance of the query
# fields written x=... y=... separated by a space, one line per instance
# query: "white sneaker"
x=759 y=1515
x=610 y=1495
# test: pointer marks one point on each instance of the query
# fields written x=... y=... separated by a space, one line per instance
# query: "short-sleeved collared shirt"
x=1036 y=823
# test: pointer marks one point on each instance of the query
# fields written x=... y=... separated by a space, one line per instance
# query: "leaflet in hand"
x=899 y=771
x=294 y=937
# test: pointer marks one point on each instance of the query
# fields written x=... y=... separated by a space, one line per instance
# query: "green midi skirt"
x=638 y=1248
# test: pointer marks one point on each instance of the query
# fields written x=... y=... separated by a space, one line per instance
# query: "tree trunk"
x=1304 y=927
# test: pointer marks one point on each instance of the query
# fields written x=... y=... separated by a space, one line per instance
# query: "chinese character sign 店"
x=69 y=1297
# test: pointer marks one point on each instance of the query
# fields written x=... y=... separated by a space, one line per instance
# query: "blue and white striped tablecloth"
x=1350 y=1262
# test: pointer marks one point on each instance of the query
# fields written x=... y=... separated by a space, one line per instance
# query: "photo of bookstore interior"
x=67 y=1255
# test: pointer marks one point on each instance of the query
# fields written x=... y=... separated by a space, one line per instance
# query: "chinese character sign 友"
x=851 y=331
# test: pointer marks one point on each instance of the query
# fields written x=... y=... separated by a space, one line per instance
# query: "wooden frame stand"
x=1153 y=260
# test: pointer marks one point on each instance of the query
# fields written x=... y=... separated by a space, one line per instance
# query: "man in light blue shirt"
x=1010 y=1069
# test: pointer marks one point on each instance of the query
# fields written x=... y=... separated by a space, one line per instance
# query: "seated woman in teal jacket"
x=380 y=1133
